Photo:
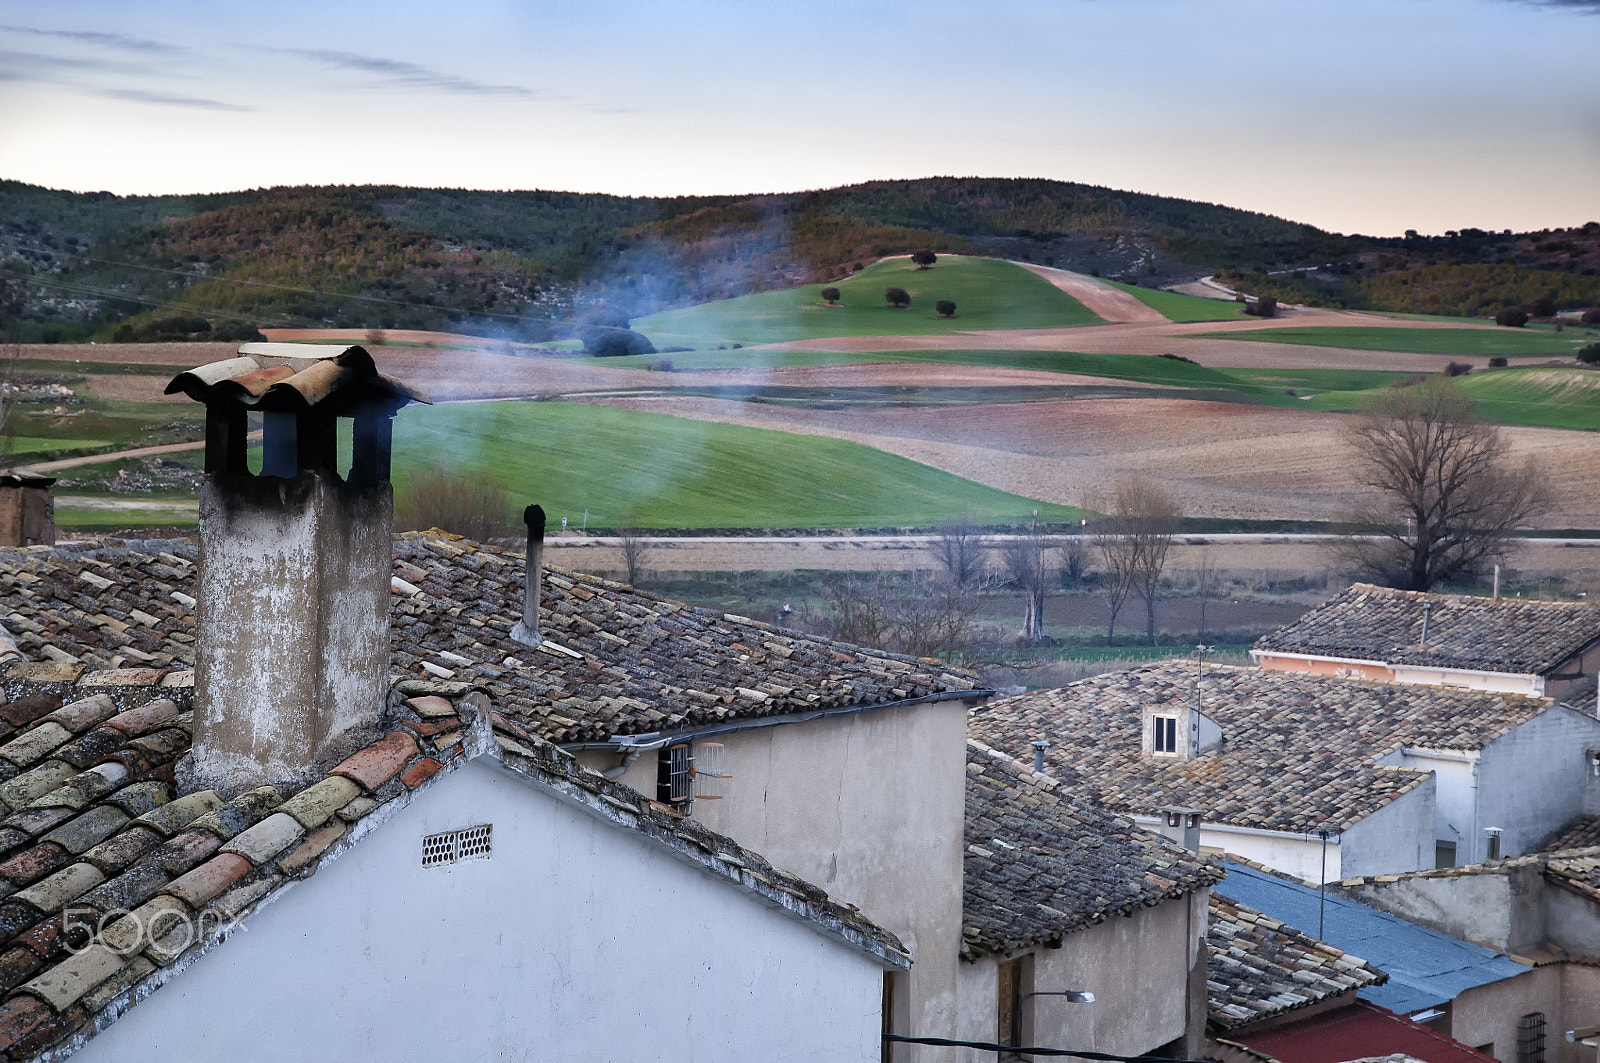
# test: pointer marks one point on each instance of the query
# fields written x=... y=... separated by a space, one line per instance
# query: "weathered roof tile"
x=1040 y=863
x=1331 y=730
x=1464 y=631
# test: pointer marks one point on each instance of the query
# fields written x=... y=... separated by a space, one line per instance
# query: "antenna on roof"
x=1427 y=614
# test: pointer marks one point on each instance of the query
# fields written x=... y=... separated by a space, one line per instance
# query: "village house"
x=1543 y=649
x=445 y=870
x=1312 y=774
x=504 y=886
x=1061 y=897
x=1498 y=1004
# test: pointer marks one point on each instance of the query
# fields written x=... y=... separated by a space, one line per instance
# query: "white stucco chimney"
x=1181 y=824
x=526 y=630
x=295 y=562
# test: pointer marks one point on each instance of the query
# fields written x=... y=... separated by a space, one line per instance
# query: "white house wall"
x=1531 y=780
x=870 y=806
x=1397 y=837
x=1137 y=966
x=576 y=941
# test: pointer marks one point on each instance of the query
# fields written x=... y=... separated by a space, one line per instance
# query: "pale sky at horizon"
x=1355 y=115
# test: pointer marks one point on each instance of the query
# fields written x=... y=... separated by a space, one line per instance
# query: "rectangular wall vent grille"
x=454 y=846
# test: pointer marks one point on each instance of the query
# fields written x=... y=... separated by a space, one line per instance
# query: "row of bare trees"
x=1130 y=540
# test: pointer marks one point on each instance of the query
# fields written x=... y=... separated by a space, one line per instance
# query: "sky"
x=1371 y=116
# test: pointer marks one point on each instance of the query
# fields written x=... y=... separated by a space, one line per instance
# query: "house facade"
x=195 y=745
x=1509 y=645
x=1318 y=776
x=1060 y=897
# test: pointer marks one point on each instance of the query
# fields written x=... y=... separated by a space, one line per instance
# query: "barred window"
x=1530 y=1038
x=454 y=846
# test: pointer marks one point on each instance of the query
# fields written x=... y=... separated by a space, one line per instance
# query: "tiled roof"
x=292 y=377
x=95 y=823
x=1258 y=967
x=1425 y=968
x=616 y=661
x=1298 y=749
x=1487 y=634
x=1041 y=864
x=1577 y=869
x=1583 y=834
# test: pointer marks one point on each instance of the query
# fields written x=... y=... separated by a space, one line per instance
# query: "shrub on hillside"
x=602 y=342
x=1542 y=307
x=1591 y=316
x=474 y=506
x=897 y=297
x=1457 y=369
x=1497 y=362
x=1512 y=317
x=924 y=259
x=1265 y=306
x=830 y=296
x=237 y=332
x=1589 y=355
x=945 y=307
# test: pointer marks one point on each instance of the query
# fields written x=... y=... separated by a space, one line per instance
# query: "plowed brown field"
x=1218 y=459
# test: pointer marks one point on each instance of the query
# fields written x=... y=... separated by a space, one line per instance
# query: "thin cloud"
x=30 y=65
x=412 y=75
x=106 y=40
x=169 y=100
x=1591 y=7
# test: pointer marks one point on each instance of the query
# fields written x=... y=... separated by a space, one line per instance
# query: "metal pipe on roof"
x=526 y=630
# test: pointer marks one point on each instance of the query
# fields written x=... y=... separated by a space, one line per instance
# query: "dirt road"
x=1112 y=304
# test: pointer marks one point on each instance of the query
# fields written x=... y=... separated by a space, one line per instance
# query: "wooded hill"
x=81 y=265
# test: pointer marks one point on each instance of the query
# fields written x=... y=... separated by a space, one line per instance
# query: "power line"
x=990 y=1046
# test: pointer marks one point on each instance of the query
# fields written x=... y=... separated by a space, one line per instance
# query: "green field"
x=1460 y=341
x=1176 y=306
x=44 y=444
x=988 y=294
x=676 y=473
x=1539 y=397
x=1260 y=385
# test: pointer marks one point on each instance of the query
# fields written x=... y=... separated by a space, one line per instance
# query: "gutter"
x=657 y=739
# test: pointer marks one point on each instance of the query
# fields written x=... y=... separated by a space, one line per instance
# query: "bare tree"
x=857 y=608
x=1132 y=540
x=934 y=618
x=1074 y=557
x=1024 y=556
x=1151 y=518
x=1445 y=498
x=634 y=545
x=1205 y=580
x=959 y=548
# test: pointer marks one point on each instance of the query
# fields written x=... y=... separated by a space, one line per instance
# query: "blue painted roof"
x=1426 y=968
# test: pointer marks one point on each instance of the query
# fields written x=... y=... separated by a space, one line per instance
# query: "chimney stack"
x=526 y=630
x=1182 y=825
x=292 y=660
x=1039 y=747
x=27 y=509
